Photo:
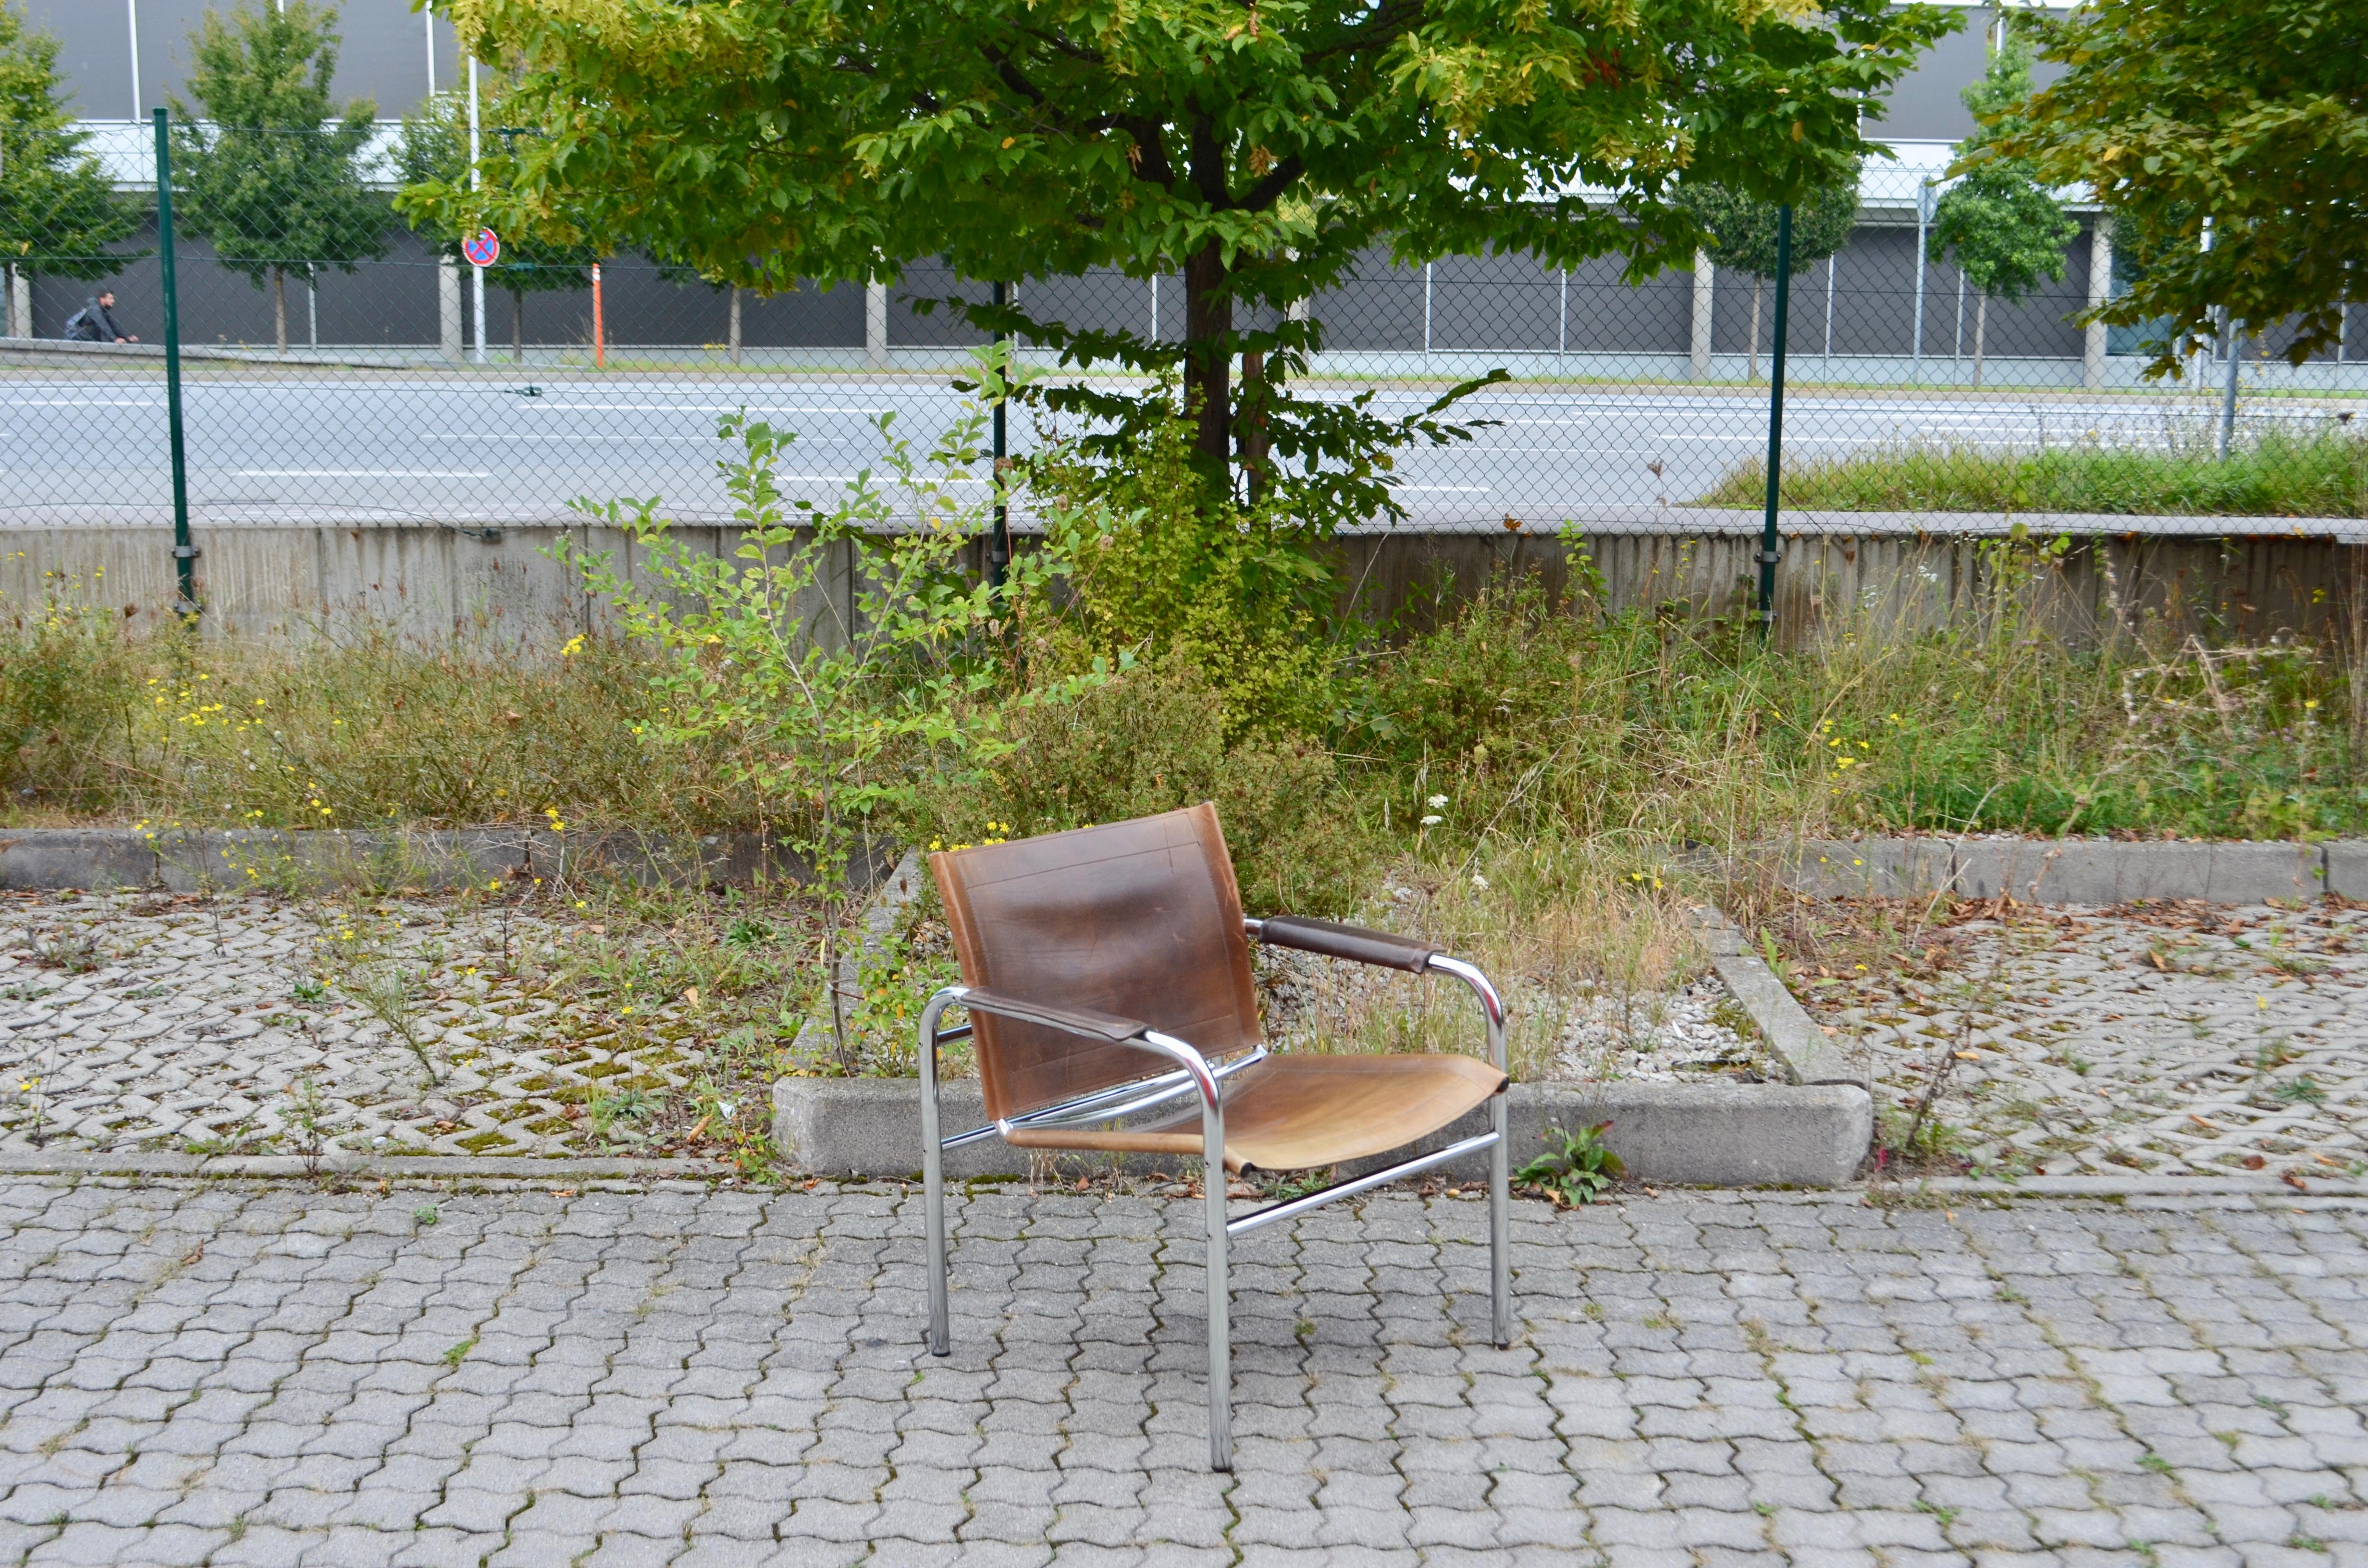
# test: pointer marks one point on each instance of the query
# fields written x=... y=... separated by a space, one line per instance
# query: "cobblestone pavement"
x=236 y=1026
x=2181 y=1040
x=224 y=1375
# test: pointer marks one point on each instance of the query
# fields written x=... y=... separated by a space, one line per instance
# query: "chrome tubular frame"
x=1500 y=1184
x=1193 y=1073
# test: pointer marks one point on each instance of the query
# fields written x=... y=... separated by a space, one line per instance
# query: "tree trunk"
x=1755 y=281
x=733 y=342
x=280 y=307
x=518 y=326
x=1981 y=327
x=1208 y=385
x=1254 y=430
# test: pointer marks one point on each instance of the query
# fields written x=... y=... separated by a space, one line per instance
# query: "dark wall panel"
x=1377 y=307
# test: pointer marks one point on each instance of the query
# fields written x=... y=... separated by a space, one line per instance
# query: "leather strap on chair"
x=1075 y=1020
x=1356 y=943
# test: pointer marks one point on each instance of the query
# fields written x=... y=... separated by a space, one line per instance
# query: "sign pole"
x=1768 y=553
x=477 y=279
x=185 y=554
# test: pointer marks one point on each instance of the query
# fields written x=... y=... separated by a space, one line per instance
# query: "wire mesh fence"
x=342 y=364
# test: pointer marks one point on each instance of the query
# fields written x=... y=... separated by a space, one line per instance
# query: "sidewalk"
x=216 y=1374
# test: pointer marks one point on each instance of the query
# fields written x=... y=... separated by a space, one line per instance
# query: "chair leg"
x=933 y=1182
x=934 y=1202
x=1500 y=1269
x=1221 y=1355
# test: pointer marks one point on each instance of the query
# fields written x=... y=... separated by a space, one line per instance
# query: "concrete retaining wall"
x=503 y=589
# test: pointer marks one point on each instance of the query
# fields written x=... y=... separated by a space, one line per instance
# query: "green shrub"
x=1237 y=592
x=1153 y=739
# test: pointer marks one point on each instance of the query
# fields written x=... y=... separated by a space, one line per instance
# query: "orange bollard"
x=600 y=339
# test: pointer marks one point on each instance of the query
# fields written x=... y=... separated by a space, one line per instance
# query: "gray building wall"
x=385 y=58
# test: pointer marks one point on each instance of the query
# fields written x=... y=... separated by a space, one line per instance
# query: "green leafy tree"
x=270 y=172
x=1741 y=233
x=58 y=215
x=1259 y=149
x=2004 y=229
x=434 y=152
x=2253 y=113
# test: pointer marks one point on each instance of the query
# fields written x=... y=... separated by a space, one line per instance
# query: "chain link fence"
x=367 y=379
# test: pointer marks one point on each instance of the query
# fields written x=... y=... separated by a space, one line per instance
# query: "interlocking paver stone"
x=2172 y=1041
x=1807 y=1379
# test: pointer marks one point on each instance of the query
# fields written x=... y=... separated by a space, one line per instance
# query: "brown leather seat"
x=1142 y=920
x=1293 y=1113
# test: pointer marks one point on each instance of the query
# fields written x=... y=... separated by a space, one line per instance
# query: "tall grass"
x=2320 y=474
x=1529 y=722
x=1538 y=726
x=97 y=722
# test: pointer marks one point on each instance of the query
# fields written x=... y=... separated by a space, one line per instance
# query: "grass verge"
x=2320 y=474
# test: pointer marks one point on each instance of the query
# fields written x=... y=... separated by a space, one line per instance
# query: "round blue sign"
x=481 y=248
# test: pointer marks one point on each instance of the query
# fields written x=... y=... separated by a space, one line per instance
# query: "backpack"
x=80 y=326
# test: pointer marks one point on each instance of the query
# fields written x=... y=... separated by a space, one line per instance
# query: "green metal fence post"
x=185 y=554
x=1768 y=553
x=998 y=544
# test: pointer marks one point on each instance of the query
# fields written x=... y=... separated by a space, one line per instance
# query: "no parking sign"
x=481 y=248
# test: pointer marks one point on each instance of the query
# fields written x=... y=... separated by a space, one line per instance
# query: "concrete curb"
x=1682 y=1134
x=437 y=860
x=2076 y=870
x=1805 y=1049
x=411 y=1168
x=2136 y=1186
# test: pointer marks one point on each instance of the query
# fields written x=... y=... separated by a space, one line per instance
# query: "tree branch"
x=1386 y=26
x=1280 y=179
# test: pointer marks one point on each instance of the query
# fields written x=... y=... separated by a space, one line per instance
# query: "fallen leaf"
x=563 y=1192
x=2199 y=1121
x=2291 y=1180
x=201 y=1252
x=2254 y=1162
x=1967 y=1055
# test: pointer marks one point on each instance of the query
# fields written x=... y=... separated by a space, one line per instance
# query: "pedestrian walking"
x=95 y=323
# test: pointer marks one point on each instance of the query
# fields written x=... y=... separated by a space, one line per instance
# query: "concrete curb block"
x=400 y=1167
x=1682 y=1134
x=439 y=860
x=2076 y=870
x=2137 y=1187
x=1807 y=1054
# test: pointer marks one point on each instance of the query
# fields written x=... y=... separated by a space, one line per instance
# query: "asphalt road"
x=463 y=448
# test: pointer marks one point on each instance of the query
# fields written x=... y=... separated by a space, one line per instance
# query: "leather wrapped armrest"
x=1356 y=943
x=1074 y=1020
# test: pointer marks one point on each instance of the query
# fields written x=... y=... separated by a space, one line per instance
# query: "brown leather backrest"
x=1137 y=918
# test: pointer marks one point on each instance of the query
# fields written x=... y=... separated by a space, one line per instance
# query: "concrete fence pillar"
x=875 y=326
x=448 y=309
x=2100 y=289
x=21 y=304
x=1704 y=283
